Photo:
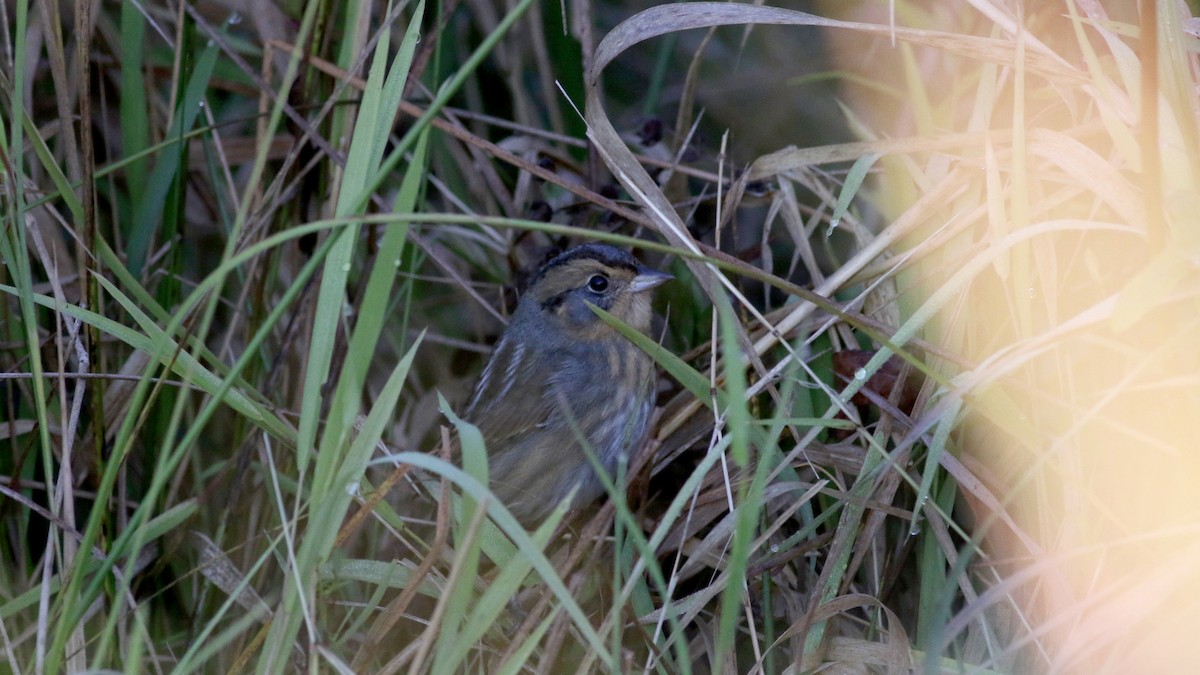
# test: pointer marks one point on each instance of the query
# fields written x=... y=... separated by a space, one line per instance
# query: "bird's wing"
x=510 y=401
x=522 y=411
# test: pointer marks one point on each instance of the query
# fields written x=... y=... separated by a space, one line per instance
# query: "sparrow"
x=561 y=382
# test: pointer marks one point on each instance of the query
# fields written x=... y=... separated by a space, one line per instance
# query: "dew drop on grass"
x=346 y=267
x=234 y=19
x=833 y=225
x=860 y=374
x=916 y=529
x=774 y=548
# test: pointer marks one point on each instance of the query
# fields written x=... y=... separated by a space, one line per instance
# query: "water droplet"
x=396 y=262
x=833 y=225
x=234 y=19
x=346 y=267
x=774 y=548
x=201 y=104
x=916 y=529
x=1032 y=293
x=860 y=374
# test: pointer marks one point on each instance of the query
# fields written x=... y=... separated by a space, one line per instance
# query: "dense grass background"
x=929 y=376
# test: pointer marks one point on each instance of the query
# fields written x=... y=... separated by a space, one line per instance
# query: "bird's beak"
x=647 y=279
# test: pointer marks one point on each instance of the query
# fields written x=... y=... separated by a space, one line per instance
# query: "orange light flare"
x=1066 y=266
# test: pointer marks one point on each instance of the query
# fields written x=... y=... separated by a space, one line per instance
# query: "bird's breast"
x=609 y=399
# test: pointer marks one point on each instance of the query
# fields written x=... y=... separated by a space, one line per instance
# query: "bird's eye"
x=598 y=283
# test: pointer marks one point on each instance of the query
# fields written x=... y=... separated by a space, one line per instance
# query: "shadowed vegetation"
x=927 y=366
